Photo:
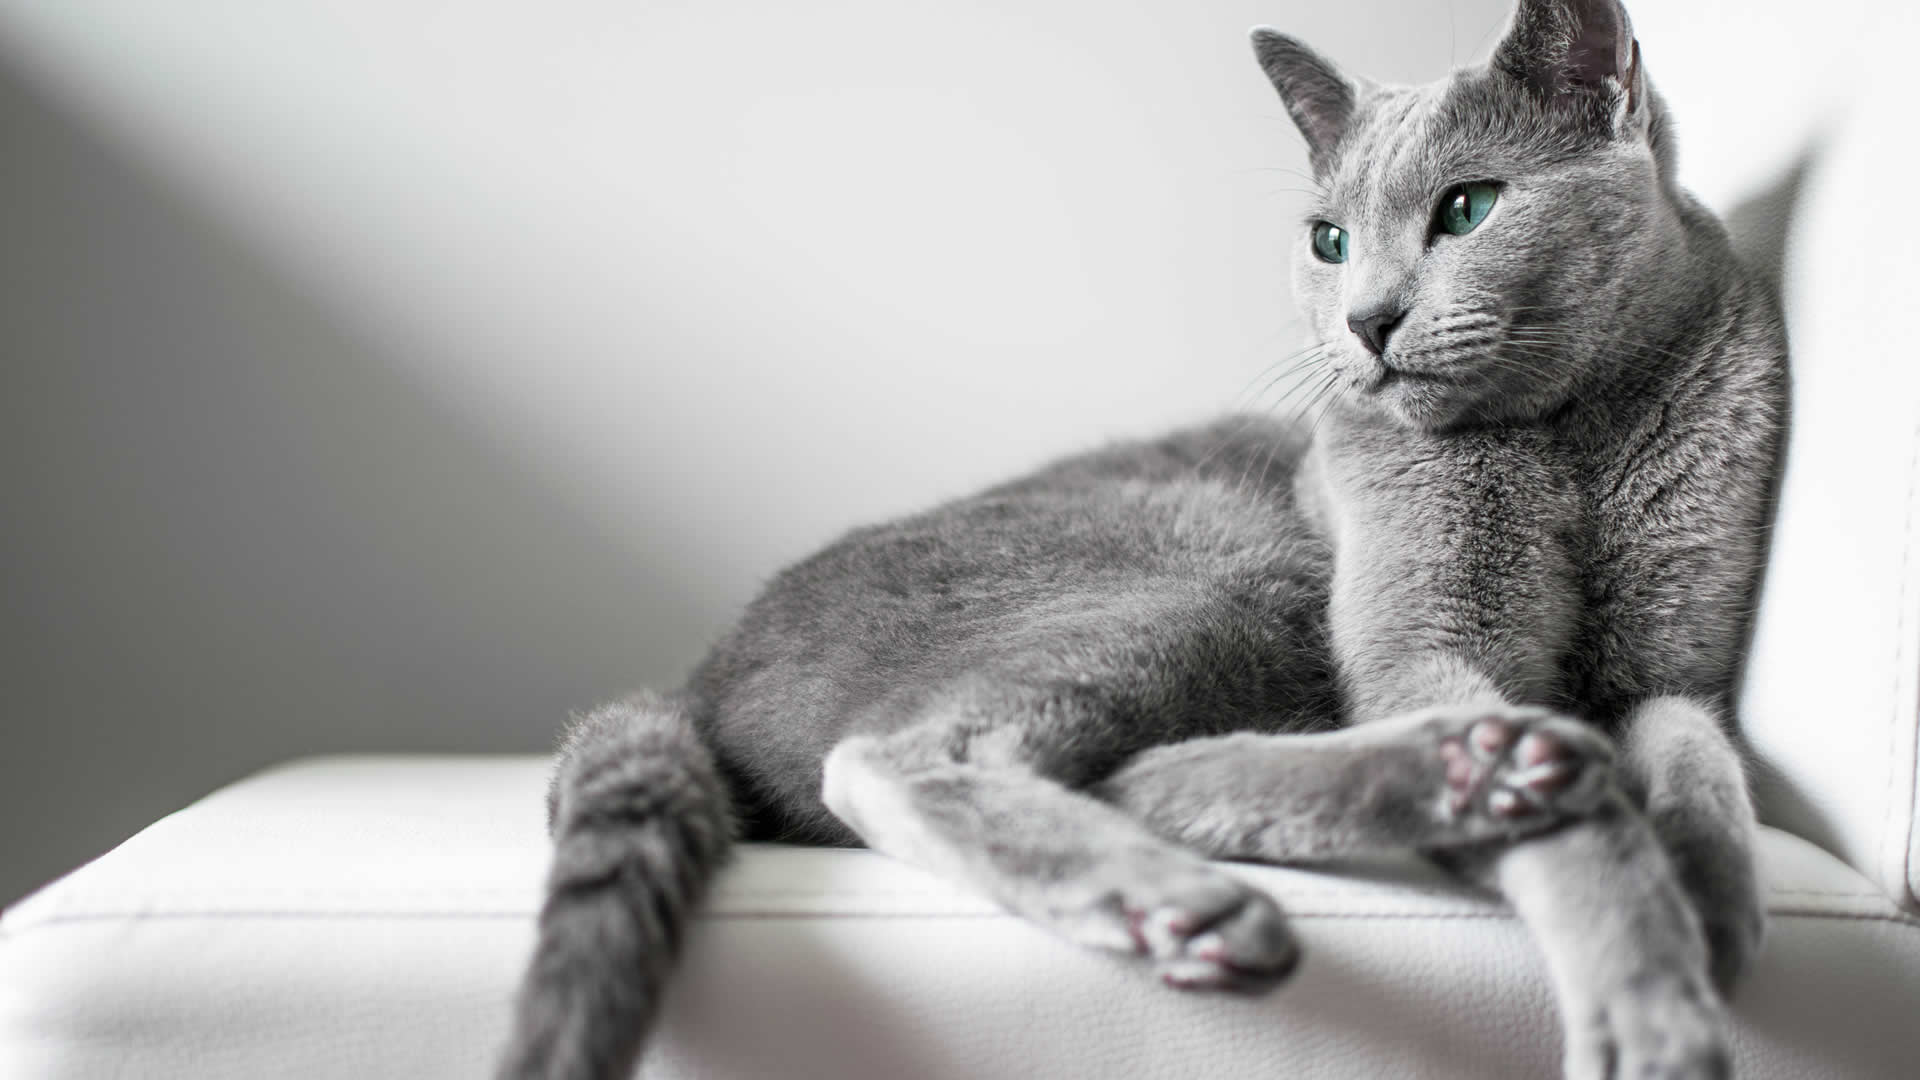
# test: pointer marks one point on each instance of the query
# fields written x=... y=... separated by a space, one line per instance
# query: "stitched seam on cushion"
x=1912 y=852
x=1899 y=650
x=1904 y=855
x=1895 y=918
x=722 y=908
x=1285 y=897
x=1503 y=914
x=723 y=895
x=218 y=914
x=1278 y=894
x=921 y=894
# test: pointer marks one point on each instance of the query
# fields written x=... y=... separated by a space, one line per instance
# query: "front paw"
x=1510 y=771
x=1733 y=939
x=1733 y=916
x=1712 y=851
x=1662 y=1025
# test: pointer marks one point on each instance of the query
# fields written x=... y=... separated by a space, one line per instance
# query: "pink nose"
x=1372 y=330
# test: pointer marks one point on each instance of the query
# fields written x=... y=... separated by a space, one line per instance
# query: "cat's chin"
x=1413 y=399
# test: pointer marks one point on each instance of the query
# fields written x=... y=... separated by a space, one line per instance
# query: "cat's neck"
x=1697 y=336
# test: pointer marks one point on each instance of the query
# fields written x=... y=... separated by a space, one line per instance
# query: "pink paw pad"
x=1517 y=767
x=1490 y=737
x=1546 y=763
x=1467 y=760
x=1462 y=773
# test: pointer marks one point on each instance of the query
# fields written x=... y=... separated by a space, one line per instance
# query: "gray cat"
x=1491 y=609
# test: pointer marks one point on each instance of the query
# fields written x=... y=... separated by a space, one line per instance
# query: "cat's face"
x=1474 y=243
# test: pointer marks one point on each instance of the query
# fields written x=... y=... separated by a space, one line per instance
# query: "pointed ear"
x=1581 y=47
x=1316 y=95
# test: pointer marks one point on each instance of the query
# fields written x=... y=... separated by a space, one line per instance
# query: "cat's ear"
x=1316 y=95
x=1572 y=51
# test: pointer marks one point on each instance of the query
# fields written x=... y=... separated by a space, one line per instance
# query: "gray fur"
x=1529 y=529
x=1318 y=97
x=640 y=821
x=1370 y=788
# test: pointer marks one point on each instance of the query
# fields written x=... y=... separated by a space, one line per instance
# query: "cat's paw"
x=1202 y=928
x=1663 y=1025
x=1733 y=939
x=1712 y=852
x=1733 y=917
x=1509 y=771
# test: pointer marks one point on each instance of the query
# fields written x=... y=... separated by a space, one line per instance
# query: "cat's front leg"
x=1455 y=590
x=1623 y=947
x=1439 y=778
x=1679 y=759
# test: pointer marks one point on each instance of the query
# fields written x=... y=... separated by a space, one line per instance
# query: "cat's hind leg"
x=975 y=804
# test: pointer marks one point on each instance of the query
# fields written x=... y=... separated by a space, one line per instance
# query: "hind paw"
x=1201 y=928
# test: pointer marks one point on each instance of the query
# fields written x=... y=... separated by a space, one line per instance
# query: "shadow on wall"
x=1761 y=226
x=234 y=533
x=1762 y=222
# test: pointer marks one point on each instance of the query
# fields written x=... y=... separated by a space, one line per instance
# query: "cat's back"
x=1197 y=504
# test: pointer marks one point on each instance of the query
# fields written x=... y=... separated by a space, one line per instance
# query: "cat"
x=1490 y=607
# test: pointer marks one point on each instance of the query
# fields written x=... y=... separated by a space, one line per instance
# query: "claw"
x=1550 y=776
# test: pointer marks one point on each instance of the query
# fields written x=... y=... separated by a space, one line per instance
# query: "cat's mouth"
x=1417 y=396
x=1386 y=375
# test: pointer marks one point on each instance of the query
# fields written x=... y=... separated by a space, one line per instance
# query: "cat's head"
x=1476 y=244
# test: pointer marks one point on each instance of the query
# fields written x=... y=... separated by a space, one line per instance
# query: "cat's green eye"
x=1330 y=242
x=1465 y=207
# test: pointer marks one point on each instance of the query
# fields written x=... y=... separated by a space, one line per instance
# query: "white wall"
x=396 y=374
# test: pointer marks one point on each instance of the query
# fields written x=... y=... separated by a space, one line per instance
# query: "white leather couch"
x=368 y=916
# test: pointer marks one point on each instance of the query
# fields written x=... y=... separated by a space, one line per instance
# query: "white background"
x=392 y=374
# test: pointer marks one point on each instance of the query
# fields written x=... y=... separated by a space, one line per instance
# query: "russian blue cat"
x=1491 y=608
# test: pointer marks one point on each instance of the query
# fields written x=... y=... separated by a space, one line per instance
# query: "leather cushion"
x=363 y=917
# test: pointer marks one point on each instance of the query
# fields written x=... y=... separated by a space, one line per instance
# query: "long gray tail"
x=640 y=820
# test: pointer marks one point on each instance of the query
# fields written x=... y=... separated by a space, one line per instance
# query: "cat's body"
x=1492 y=611
x=1177 y=581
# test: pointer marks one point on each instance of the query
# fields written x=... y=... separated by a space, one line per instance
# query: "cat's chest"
x=1667 y=550
x=1648 y=535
